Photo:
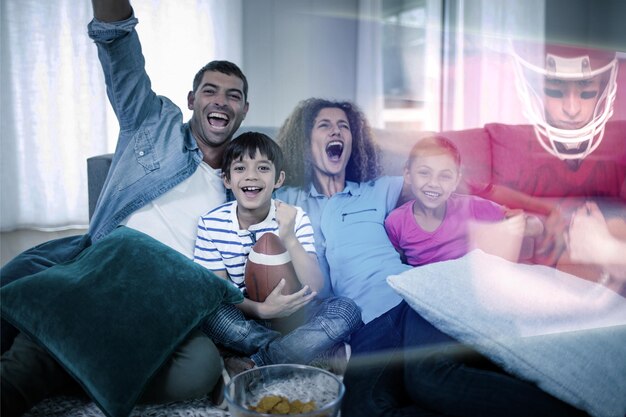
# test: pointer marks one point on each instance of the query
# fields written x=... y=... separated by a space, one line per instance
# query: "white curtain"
x=53 y=108
x=468 y=74
x=369 y=76
x=478 y=83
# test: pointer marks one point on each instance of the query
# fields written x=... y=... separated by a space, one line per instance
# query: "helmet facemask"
x=582 y=78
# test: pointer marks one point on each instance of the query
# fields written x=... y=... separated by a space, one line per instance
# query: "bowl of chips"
x=295 y=390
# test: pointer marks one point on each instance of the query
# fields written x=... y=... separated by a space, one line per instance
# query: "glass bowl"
x=293 y=382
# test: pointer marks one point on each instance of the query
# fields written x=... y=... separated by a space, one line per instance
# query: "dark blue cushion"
x=113 y=315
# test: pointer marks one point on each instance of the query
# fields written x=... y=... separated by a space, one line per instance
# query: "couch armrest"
x=97 y=170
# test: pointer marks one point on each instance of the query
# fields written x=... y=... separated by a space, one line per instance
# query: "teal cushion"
x=114 y=314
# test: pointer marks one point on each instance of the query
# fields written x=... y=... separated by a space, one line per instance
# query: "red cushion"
x=473 y=144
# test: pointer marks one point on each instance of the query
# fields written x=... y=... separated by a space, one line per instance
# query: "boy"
x=439 y=224
x=252 y=170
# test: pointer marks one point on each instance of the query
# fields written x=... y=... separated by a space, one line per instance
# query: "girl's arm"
x=509 y=197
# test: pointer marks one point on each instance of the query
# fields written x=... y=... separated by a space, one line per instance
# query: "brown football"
x=269 y=262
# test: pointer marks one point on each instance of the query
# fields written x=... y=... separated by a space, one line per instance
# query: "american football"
x=269 y=262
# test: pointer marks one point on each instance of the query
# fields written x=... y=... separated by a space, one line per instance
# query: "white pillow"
x=566 y=334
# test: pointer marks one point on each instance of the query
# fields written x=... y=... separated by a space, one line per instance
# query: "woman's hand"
x=277 y=305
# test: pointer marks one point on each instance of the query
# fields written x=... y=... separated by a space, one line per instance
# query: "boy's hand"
x=277 y=305
x=286 y=219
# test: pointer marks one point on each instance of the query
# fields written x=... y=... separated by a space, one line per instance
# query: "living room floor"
x=15 y=242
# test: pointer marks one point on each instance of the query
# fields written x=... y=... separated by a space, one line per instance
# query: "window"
x=411 y=61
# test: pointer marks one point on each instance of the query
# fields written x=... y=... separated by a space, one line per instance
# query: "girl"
x=438 y=224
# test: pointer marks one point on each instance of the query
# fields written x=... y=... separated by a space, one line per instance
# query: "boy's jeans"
x=327 y=323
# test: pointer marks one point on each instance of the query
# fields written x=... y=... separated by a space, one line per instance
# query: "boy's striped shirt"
x=221 y=245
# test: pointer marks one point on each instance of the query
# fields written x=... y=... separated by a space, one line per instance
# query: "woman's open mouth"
x=334 y=150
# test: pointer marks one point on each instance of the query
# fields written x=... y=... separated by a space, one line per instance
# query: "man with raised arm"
x=164 y=175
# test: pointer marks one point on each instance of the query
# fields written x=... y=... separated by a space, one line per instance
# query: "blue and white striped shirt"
x=221 y=245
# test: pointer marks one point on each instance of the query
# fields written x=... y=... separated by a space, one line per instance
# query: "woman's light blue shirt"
x=352 y=246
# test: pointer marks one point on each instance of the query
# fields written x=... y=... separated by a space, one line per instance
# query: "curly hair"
x=294 y=137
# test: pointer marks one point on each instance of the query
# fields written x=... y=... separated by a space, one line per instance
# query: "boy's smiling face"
x=252 y=181
x=432 y=177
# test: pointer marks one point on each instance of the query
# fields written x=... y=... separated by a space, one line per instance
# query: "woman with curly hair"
x=334 y=174
x=295 y=140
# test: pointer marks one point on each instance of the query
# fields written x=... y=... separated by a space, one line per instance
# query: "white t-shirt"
x=173 y=217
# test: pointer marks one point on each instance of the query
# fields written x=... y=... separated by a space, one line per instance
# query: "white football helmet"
x=568 y=76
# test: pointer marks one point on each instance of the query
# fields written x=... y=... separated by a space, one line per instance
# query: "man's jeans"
x=403 y=366
x=326 y=323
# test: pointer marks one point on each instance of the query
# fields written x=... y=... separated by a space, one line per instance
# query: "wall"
x=295 y=49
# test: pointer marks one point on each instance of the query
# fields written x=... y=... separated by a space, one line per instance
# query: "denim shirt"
x=155 y=150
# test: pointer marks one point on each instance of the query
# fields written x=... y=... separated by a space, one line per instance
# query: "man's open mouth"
x=334 y=150
x=218 y=119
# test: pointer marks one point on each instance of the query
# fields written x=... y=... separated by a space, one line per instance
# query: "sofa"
x=504 y=163
x=499 y=161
